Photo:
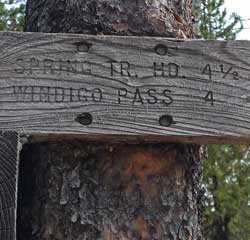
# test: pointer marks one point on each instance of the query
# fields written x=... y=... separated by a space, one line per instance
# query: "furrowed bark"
x=74 y=190
x=93 y=191
x=140 y=17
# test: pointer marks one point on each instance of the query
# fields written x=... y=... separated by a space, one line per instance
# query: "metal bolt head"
x=161 y=49
x=85 y=119
x=166 y=120
x=83 y=46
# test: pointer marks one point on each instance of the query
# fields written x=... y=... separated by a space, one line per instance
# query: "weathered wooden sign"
x=124 y=86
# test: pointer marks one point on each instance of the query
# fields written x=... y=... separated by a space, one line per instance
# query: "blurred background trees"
x=226 y=167
x=214 y=22
x=227 y=197
x=12 y=15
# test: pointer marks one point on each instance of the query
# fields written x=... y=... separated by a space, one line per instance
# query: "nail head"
x=166 y=120
x=85 y=118
x=161 y=49
x=83 y=46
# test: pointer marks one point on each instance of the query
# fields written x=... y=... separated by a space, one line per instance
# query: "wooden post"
x=8 y=184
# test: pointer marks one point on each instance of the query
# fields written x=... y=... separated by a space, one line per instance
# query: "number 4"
x=210 y=98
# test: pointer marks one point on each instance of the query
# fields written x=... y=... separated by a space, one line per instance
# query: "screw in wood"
x=161 y=49
x=83 y=46
x=166 y=120
x=84 y=119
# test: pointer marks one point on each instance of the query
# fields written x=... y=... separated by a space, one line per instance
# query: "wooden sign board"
x=124 y=86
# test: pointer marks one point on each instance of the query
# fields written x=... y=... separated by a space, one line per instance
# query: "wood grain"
x=8 y=184
x=127 y=84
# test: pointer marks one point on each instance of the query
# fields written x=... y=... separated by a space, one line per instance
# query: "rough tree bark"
x=77 y=190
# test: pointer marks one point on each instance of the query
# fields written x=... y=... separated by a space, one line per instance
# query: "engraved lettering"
x=44 y=94
x=122 y=68
x=151 y=93
x=48 y=65
x=173 y=70
x=207 y=71
x=210 y=98
x=34 y=65
x=71 y=94
x=32 y=93
x=97 y=95
x=112 y=70
x=48 y=94
x=168 y=99
x=19 y=89
x=82 y=94
x=21 y=92
x=59 y=94
x=122 y=92
x=125 y=67
x=67 y=66
x=229 y=71
x=86 y=68
x=52 y=67
x=20 y=69
x=235 y=75
x=137 y=97
x=158 y=69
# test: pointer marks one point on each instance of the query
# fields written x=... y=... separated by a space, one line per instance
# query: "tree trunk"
x=72 y=190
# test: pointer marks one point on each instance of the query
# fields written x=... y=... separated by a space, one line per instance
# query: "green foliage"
x=227 y=178
x=12 y=14
x=227 y=167
x=214 y=22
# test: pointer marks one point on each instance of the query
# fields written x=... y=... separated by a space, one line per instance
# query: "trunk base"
x=73 y=190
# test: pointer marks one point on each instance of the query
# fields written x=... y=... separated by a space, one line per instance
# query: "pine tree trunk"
x=72 y=190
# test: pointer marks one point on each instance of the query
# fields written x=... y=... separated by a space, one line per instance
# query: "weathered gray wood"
x=127 y=84
x=8 y=184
